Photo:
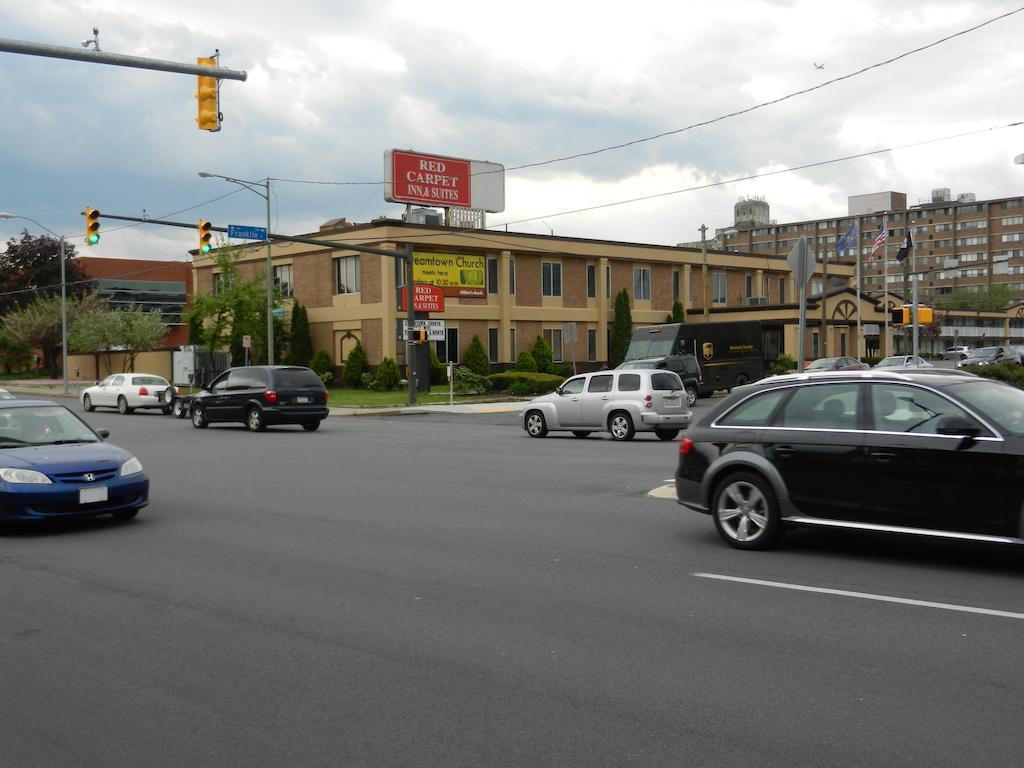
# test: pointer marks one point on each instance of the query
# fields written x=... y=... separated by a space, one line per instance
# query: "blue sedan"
x=54 y=465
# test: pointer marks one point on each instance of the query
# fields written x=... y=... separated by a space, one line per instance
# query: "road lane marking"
x=862 y=595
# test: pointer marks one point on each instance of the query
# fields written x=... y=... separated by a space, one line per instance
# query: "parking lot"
x=439 y=589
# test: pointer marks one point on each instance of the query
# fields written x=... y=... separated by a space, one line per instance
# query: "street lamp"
x=265 y=194
x=63 y=297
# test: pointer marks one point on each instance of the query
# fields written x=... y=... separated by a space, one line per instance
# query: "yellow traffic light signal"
x=417 y=335
x=901 y=316
x=92 y=226
x=205 y=236
x=925 y=316
x=207 y=98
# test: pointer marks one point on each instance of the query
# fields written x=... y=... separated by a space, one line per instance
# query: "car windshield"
x=42 y=425
x=150 y=381
x=1000 y=403
x=891 y=361
x=984 y=352
x=824 y=362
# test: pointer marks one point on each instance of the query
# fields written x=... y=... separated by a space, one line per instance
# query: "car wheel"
x=536 y=426
x=87 y=404
x=746 y=512
x=667 y=434
x=199 y=420
x=691 y=396
x=580 y=433
x=167 y=410
x=742 y=379
x=122 y=406
x=178 y=409
x=254 y=419
x=620 y=425
x=124 y=514
x=311 y=426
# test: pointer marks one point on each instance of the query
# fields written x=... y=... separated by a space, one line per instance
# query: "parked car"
x=918 y=452
x=5 y=395
x=126 y=392
x=689 y=372
x=621 y=402
x=956 y=353
x=836 y=364
x=54 y=465
x=903 y=361
x=990 y=356
x=260 y=395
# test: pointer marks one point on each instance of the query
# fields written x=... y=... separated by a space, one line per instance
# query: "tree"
x=354 y=366
x=30 y=269
x=542 y=355
x=300 y=352
x=678 y=314
x=322 y=366
x=13 y=356
x=139 y=331
x=237 y=308
x=101 y=329
x=993 y=299
x=475 y=357
x=526 y=362
x=388 y=375
x=38 y=325
x=622 y=329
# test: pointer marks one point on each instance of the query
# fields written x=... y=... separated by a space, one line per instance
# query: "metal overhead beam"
x=8 y=45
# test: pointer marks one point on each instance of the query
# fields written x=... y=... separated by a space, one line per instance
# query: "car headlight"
x=131 y=467
x=14 y=475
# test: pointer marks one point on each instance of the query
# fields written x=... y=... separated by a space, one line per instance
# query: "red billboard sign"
x=429 y=180
x=425 y=298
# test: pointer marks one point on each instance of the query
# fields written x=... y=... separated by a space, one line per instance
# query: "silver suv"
x=620 y=402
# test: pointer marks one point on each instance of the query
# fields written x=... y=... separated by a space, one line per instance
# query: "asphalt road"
x=441 y=590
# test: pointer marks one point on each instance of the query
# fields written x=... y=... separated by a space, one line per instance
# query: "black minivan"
x=259 y=395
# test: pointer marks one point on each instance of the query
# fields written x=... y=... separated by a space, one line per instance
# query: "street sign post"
x=247 y=233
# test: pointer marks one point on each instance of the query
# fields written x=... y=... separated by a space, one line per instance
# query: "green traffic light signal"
x=92 y=226
x=205 y=236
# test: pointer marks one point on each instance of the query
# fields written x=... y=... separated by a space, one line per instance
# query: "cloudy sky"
x=333 y=85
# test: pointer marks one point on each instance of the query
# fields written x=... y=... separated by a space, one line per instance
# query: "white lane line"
x=863 y=595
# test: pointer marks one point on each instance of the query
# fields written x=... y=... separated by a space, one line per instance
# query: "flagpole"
x=885 y=297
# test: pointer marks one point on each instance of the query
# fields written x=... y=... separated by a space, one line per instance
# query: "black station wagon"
x=921 y=452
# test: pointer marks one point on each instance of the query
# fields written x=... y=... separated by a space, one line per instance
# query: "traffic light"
x=925 y=316
x=905 y=315
x=901 y=316
x=207 y=98
x=92 y=226
x=205 y=236
x=417 y=335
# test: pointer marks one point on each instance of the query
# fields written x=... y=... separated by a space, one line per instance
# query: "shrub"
x=476 y=357
x=542 y=354
x=782 y=364
x=355 y=364
x=565 y=370
x=466 y=382
x=365 y=380
x=322 y=366
x=438 y=370
x=388 y=375
x=525 y=382
x=1011 y=373
x=526 y=362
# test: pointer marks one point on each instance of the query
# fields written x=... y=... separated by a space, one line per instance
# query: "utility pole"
x=824 y=303
x=704 y=268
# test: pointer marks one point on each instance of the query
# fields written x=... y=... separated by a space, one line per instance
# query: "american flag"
x=879 y=242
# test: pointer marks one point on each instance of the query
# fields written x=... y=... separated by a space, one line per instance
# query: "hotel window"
x=718 y=288
x=608 y=281
x=591 y=344
x=512 y=343
x=283 y=280
x=218 y=282
x=782 y=290
x=492 y=275
x=1009 y=220
x=641 y=284
x=675 y=286
x=1013 y=237
x=748 y=284
x=1008 y=204
x=346 y=274
x=551 y=278
x=591 y=281
x=492 y=345
x=553 y=336
x=512 y=276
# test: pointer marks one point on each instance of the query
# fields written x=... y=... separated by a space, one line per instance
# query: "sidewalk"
x=47 y=388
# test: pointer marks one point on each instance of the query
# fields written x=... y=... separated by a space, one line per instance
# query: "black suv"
x=258 y=395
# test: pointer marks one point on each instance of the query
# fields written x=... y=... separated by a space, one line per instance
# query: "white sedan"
x=128 y=391
x=5 y=395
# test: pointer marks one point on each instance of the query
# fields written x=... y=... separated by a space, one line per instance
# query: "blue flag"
x=847 y=240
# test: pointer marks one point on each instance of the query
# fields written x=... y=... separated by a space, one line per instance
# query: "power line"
x=713 y=120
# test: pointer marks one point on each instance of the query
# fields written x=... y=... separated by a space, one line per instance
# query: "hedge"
x=524 y=382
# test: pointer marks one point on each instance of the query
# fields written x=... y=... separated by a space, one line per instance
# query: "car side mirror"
x=954 y=424
x=104 y=433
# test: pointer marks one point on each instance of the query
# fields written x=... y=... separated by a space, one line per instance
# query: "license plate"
x=302 y=399
x=92 y=495
x=672 y=402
